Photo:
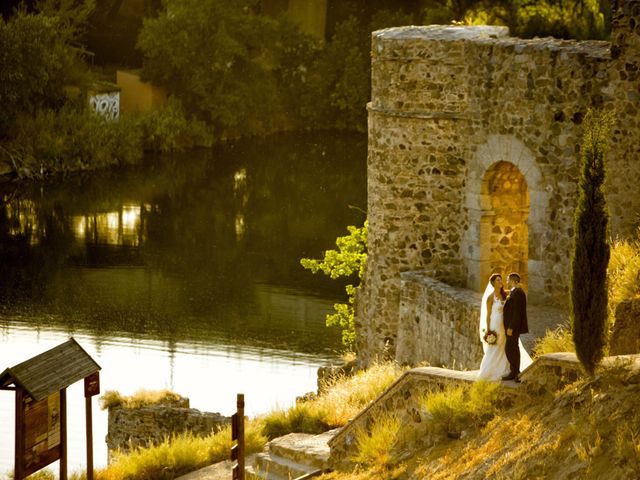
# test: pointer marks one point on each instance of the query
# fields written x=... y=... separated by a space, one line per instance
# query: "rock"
x=625 y=338
x=149 y=425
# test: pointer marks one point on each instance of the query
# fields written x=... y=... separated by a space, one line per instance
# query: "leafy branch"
x=349 y=259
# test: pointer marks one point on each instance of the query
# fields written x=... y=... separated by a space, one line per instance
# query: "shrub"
x=169 y=130
x=73 y=139
x=39 y=57
x=590 y=253
x=624 y=271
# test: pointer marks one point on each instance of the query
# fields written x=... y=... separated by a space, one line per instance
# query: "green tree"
x=348 y=260
x=215 y=56
x=40 y=55
x=579 y=19
x=591 y=250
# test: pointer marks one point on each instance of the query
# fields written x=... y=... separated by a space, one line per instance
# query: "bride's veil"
x=483 y=314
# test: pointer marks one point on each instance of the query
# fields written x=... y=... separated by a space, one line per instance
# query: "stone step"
x=267 y=463
x=252 y=473
x=304 y=448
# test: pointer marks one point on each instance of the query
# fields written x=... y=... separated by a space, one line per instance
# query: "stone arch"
x=504 y=234
x=503 y=167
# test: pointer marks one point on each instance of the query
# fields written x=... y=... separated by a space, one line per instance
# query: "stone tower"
x=474 y=146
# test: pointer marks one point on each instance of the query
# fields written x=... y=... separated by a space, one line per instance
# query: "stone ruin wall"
x=448 y=104
x=130 y=428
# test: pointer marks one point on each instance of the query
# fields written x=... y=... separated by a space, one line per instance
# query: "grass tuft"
x=458 y=407
x=304 y=417
x=558 y=340
x=142 y=398
x=375 y=448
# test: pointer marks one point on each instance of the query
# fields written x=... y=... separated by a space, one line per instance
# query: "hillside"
x=588 y=430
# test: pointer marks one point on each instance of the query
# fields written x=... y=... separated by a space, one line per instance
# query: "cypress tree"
x=590 y=255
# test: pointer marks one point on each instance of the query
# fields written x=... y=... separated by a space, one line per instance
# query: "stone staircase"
x=294 y=456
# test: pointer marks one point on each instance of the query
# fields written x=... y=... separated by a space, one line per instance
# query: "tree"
x=349 y=260
x=39 y=56
x=591 y=251
x=214 y=55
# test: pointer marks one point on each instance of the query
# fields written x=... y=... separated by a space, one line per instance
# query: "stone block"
x=625 y=338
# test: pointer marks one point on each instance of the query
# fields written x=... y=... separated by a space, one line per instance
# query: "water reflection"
x=186 y=269
x=123 y=227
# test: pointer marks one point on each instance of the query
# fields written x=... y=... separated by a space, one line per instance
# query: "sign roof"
x=51 y=371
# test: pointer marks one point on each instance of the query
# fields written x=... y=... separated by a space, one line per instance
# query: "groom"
x=515 y=323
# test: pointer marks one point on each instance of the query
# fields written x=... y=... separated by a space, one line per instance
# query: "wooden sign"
x=92 y=385
x=41 y=433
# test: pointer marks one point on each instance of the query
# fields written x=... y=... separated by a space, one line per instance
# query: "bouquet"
x=490 y=337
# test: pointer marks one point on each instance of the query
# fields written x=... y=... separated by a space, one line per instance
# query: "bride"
x=492 y=335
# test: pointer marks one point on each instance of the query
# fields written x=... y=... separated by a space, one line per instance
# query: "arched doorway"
x=504 y=233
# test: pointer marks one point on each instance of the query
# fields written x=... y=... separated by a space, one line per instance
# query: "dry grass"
x=178 y=456
x=623 y=271
x=623 y=278
x=346 y=396
x=343 y=398
x=304 y=417
x=375 y=447
x=558 y=340
x=142 y=398
x=588 y=430
x=459 y=407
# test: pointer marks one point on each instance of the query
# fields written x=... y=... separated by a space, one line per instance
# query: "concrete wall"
x=136 y=95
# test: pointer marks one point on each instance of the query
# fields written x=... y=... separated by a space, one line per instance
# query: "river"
x=181 y=273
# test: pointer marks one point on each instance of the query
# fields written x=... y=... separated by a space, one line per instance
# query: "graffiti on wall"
x=106 y=104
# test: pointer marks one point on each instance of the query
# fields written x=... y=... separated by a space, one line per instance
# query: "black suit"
x=515 y=318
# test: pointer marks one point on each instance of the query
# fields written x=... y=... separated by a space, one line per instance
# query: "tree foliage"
x=215 y=56
x=40 y=55
x=347 y=261
x=579 y=19
x=591 y=250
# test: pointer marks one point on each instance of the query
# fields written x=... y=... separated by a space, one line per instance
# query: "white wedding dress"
x=494 y=364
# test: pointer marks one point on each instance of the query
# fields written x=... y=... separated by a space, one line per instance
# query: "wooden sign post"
x=40 y=385
x=91 y=388
x=237 y=434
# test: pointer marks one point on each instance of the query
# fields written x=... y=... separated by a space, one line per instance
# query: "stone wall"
x=461 y=121
x=438 y=323
x=141 y=427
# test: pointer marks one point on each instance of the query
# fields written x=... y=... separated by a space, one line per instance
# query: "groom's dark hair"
x=515 y=276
